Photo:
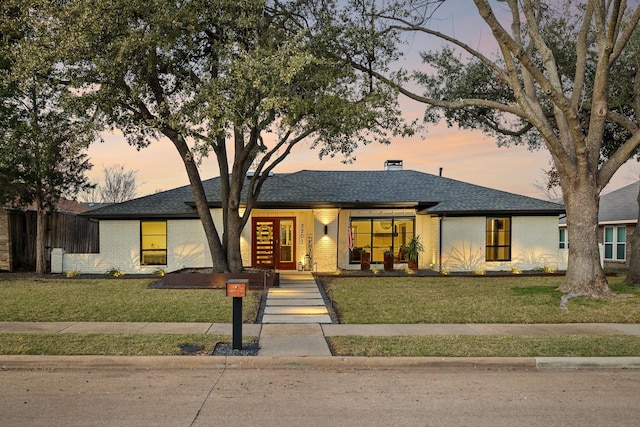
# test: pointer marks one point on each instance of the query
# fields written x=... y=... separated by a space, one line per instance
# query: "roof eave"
x=131 y=216
x=519 y=212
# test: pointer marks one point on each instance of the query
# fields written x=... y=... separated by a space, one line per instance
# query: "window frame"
x=145 y=251
x=615 y=245
x=394 y=234
x=493 y=238
x=563 y=243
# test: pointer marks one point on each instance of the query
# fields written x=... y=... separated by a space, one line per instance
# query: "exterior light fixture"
x=326 y=229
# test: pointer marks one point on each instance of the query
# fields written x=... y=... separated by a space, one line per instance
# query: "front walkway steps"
x=296 y=300
x=292 y=316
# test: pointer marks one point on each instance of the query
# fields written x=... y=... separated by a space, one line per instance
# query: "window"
x=615 y=243
x=498 y=246
x=378 y=235
x=153 y=242
x=563 y=239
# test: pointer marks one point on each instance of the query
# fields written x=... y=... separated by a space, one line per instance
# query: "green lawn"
x=520 y=299
x=36 y=299
x=107 y=345
x=488 y=346
x=359 y=300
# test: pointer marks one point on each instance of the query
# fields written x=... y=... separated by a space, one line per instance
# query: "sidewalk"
x=291 y=346
x=327 y=330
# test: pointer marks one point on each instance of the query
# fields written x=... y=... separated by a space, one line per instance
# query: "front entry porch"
x=273 y=243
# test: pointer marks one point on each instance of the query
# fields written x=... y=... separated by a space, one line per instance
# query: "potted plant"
x=414 y=247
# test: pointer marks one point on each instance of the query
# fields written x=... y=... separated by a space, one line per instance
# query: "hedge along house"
x=326 y=220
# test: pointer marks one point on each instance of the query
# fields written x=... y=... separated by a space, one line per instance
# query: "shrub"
x=115 y=272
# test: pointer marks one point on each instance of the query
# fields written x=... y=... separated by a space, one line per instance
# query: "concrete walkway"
x=293 y=314
x=296 y=300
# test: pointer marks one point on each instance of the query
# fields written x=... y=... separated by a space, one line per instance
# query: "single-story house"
x=326 y=220
x=617 y=220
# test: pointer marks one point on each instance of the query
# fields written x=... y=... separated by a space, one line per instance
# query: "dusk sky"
x=463 y=155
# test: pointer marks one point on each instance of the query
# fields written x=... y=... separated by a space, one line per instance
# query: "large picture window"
x=378 y=235
x=615 y=243
x=153 y=242
x=498 y=245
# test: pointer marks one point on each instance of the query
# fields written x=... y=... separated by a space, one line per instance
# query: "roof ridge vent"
x=393 y=165
x=251 y=174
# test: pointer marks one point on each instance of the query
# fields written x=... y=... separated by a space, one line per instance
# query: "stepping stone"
x=289 y=319
x=298 y=311
x=294 y=301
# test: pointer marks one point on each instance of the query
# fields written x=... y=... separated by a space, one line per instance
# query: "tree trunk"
x=234 y=229
x=218 y=256
x=585 y=276
x=633 y=252
x=41 y=236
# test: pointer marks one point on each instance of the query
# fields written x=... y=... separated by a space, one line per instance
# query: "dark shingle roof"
x=620 y=205
x=428 y=193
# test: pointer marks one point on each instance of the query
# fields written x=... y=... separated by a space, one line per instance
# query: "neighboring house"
x=65 y=229
x=617 y=219
x=326 y=220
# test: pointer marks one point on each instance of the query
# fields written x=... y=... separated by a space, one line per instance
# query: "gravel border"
x=226 y=349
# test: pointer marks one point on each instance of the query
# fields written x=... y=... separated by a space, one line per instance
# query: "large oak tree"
x=547 y=84
x=242 y=80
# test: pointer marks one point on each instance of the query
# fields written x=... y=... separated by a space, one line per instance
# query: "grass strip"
x=487 y=346
x=372 y=300
x=115 y=300
x=110 y=344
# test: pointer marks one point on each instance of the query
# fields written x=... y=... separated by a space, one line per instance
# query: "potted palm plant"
x=414 y=247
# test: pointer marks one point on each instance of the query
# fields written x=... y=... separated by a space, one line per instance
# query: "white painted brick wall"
x=534 y=244
x=120 y=249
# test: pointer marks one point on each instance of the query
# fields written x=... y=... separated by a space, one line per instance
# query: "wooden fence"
x=73 y=233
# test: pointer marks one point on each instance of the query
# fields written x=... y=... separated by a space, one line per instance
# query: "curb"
x=588 y=362
x=319 y=363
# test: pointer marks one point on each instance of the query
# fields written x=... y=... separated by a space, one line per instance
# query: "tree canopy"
x=42 y=142
x=564 y=76
x=246 y=81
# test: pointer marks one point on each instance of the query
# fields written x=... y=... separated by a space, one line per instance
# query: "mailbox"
x=237 y=288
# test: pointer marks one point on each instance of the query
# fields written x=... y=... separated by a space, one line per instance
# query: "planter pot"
x=388 y=261
x=365 y=261
x=413 y=265
x=195 y=279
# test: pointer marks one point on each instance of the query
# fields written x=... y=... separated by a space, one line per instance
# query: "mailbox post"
x=237 y=289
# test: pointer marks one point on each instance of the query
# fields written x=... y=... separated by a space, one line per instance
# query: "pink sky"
x=464 y=155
